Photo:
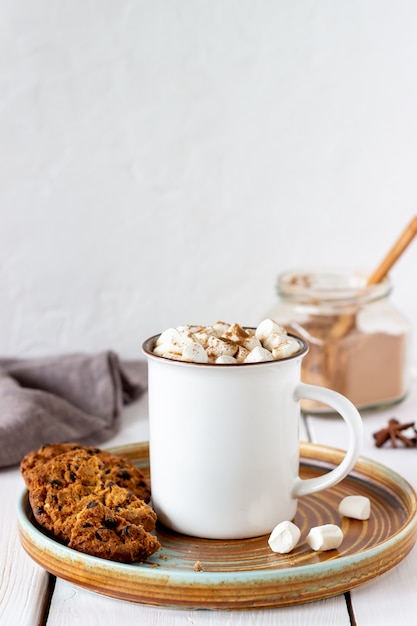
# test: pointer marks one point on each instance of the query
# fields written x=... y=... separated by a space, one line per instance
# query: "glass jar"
x=358 y=342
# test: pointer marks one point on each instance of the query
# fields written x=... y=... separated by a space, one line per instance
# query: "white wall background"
x=162 y=161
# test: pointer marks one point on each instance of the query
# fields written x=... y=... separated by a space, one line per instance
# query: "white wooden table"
x=29 y=596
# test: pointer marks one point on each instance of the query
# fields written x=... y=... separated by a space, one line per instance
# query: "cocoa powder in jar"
x=358 y=342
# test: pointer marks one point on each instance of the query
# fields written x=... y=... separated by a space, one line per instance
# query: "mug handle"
x=351 y=416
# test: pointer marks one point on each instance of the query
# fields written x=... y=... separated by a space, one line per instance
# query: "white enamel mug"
x=224 y=443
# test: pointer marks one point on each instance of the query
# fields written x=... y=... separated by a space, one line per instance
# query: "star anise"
x=393 y=433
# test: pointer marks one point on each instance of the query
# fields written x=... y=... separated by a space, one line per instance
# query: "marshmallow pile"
x=227 y=343
x=286 y=535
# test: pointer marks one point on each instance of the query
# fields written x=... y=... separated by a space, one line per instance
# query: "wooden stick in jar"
x=396 y=251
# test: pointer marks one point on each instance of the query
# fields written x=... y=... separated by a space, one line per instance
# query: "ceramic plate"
x=195 y=573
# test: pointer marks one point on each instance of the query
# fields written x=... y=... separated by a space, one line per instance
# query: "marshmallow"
x=170 y=335
x=225 y=359
x=174 y=356
x=274 y=340
x=191 y=328
x=203 y=337
x=171 y=340
x=194 y=352
x=251 y=342
x=167 y=348
x=286 y=348
x=266 y=328
x=357 y=507
x=219 y=328
x=241 y=354
x=217 y=347
x=259 y=355
x=326 y=537
x=284 y=537
x=235 y=333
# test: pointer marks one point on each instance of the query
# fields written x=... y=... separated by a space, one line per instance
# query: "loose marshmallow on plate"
x=284 y=537
x=357 y=507
x=326 y=537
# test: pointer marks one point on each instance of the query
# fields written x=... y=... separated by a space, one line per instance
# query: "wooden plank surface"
x=72 y=606
x=23 y=585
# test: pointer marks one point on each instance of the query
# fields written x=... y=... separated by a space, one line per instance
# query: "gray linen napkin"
x=76 y=397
